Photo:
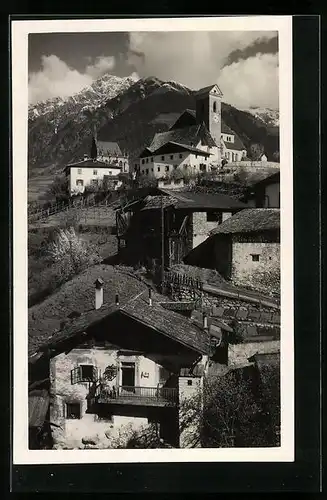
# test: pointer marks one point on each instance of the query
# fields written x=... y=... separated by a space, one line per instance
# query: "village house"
x=126 y=363
x=232 y=148
x=265 y=193
x=244 y=249
x=187 y=217
x=91 y=173
x=110 y=152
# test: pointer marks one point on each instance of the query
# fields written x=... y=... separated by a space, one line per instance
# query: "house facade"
x=172 y=158
x=123 y=367
x=90 y=173
x=232 y=148
x=244 y=249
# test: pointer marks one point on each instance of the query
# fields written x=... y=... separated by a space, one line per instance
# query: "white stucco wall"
x=87 y=174
x=157 y=166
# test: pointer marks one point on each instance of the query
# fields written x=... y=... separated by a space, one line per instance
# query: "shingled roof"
x=189 y=136
x=70 y=311
x=89 y=163
x=196 y=201
x=251 y=220
x=167 y=322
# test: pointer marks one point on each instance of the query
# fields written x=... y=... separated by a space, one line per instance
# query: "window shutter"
x=95 y=374
x=75 y=375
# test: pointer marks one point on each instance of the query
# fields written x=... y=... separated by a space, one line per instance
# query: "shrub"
x=71 y=254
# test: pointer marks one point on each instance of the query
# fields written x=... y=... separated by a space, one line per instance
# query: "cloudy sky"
x=244 y=64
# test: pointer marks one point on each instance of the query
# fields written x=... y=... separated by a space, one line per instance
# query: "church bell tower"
x=208 y=110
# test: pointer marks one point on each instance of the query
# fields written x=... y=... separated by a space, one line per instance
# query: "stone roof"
x=251 y=220
x=189 y=136
x=195 y=201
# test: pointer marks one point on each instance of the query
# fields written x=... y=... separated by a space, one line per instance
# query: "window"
x=167 y=168
x=147 y=160
x=214 y=107
x=214 y=217
x=171 y=157
x=73 y=410
x=83 y=373
x=162 y=158
x=79 y=182
x=255 y=257
x=151 y=159
x=196 y=156
x=143 y=161
x=95 y=172
x=152 y=169
x=158 y=169
x=146 y=170
x=180 y=155
x=79 y=171
x=110 y=172
x=189 y=382
x=203 y=167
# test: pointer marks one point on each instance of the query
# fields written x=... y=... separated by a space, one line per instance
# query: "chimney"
x=205 y=321
x=117 y=299
x=98 y=293
x=86 y=156
x=150 y=297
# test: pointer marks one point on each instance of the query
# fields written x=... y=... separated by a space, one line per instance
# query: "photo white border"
x=19 y=49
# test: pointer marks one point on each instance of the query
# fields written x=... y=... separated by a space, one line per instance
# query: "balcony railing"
x=155 y=396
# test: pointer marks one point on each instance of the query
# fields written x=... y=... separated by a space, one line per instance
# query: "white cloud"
x=196 y=59
x=251 y=82
x=57 y=79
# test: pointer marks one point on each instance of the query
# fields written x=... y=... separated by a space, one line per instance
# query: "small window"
x=171 y=157
x=146 y=170
x=95 y=172
x=158 y=169
x=147 y=160
x=79 y=171
x=152 y=169
x=196 y=156
x=167 y=168
x=151 y=159
x=214 y=107
x=162 y=158
x=180 y=155
x=189 y=382
x=87 y=373
x=255 y=257
x=73 y=410
x=214 y=217
x=79 y=182
x=143 y=161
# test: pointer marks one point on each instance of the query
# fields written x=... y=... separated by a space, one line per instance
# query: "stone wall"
x=238 y=354
x=261 y=274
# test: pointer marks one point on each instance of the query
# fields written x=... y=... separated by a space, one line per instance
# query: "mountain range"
x=132 y=111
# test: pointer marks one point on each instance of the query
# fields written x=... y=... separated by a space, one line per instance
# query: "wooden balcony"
x=141 y=396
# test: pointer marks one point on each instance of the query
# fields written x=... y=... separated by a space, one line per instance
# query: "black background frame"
x=304 y=475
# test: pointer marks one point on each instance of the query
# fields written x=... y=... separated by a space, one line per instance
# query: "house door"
x=128 y=377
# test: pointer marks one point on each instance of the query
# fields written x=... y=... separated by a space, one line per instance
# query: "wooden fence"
x=43 y=213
